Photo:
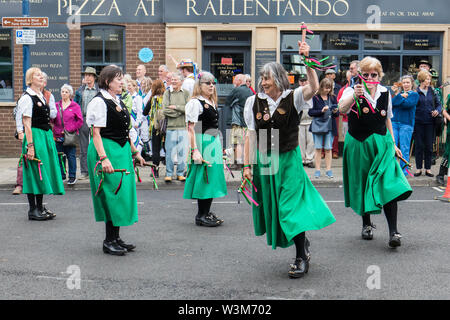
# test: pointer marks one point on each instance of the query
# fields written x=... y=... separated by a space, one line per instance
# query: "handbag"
x=70 y=138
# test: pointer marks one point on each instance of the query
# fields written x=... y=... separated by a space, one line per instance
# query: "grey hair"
x=411 y=78
x=68 y=87
x=166 y=68
x=45 y=76
x=179 y=75
x=275 y=71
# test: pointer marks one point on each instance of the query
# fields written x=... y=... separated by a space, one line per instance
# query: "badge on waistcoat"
x=383 y=113
x=281 y=111
x=118 y=109
x=266 y=117
x=207 y=106
x=39 y=104
x=258 y=116
x=366 y=110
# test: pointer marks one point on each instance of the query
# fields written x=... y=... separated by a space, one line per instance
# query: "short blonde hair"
x=29 y=75
x=423 y=75
x=371 y=63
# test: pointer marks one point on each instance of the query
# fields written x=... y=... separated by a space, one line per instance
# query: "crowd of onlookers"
x=158 y=127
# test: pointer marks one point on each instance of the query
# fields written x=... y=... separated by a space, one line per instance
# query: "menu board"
x=261 y=58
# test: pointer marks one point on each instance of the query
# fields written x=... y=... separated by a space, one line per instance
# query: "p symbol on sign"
x=19 y=34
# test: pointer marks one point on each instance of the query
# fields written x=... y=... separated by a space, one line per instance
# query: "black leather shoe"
x=418 y=173
x=429 y=174
x=50 y=214
x=207 y=221
x=440 y=180
x=299 y=268
x=367 y=232
x=394 y=240
x=112 y=247
x=37 y=215
x=214 y=217
x=129 y=247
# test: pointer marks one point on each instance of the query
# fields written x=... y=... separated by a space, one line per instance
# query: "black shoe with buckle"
x=394 y=240
x=367 y=232
x=129 y=247
x=112 y=247
x=299 y=268
x=37 y=215
x=50 y=214
x=207 y=221
x=214 y=217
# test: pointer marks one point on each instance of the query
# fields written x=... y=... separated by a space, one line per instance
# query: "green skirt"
x=289 y=204
x=206 y=182
x=120 y=209
x=45 y=150
x=372 y=175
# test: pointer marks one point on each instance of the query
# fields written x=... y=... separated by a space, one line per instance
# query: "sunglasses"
x=372 y=75
x=209 y=83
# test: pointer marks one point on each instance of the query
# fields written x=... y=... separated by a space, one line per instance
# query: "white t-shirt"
x=299 y=104
x=188 y=83
x=96 y=110
x=194 y=108
x=350 y=91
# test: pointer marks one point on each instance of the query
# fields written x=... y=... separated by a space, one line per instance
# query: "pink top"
x=73 y=119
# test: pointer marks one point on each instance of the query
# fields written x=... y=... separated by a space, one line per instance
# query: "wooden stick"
x=303 y=32
x=117 y=170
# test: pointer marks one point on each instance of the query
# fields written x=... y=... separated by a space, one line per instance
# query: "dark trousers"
x=70 y=153
x=156 y=148
x=84 y=144
x=423 y=141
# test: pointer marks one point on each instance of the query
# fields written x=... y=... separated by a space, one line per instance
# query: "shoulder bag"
x=322 y=124
x=70 y=138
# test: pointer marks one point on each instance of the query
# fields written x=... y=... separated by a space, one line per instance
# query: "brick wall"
x=137 y=36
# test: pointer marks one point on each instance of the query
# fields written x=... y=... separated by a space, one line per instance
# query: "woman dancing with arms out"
x=113 y=193
x=373 y=179
x=289 y=205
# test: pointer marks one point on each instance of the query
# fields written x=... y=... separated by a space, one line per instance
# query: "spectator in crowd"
x=174 y=103
x=153 y=109
x=236 y=101
x=41 y=173
x=83 y=96
x=186 y=67
x=163 y=74
x=248 y=81
x=305 y=137
x=348 y=76
x=427 y=109
x=331 y=74
x=354 y=70
x=146 y=88
x=49 y=97
x=404 y=108
x=324 y=111
x=69 y=118
x=141 y=71
x=141 y=122
x=443 y=169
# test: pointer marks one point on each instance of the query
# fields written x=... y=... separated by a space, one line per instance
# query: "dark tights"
x=299 y=241
x=204 y=206
x=390 y=211
x=35 y=200
x=112 y=233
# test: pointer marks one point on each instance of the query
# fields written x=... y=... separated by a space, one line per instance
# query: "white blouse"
x=299 y=104
x=350 y=91
x=194 y=108
x=96 y=110
x=25 y=107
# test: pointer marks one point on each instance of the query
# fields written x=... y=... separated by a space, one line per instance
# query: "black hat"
x=302 y=77
x=425 y=62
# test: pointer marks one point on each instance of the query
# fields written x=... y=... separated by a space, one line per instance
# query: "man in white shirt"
x=186 y=68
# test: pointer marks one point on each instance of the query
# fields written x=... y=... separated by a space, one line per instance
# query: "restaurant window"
x=382 y=41
x=340 y=41
x=421 y=41
x=102 y=46
x=6 y=66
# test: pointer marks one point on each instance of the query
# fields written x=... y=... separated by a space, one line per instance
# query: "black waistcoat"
x=117 y=122
x=41 y=114
x=368 y=122
x=285 y=119
x=209 y=118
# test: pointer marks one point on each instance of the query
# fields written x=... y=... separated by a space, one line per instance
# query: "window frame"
x=10 y=64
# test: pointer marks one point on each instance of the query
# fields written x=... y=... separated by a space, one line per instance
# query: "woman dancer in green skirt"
x=110 y=150
x=41 y=173
x=288 y=203
x=373 y=179
x=205 y=179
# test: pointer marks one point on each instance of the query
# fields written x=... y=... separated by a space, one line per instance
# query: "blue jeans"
x=176 y=144
x=70 y=153
x=402 y=135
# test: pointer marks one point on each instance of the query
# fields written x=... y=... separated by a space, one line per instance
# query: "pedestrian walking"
x=373 y=179
x=288 y=203
x=206 y=177
x=174 y=104
x=110 y=161
x=41 y=173
x=323 y=126
x=68 y=119
x=428 y=108
x=404 y=108
x=85 y=93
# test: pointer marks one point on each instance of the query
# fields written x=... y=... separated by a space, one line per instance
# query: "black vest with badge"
x=117 y=122
x=367 y=123
x=41 y=113
x=285 y=118
x=209 y=118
